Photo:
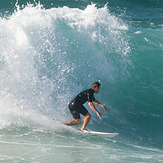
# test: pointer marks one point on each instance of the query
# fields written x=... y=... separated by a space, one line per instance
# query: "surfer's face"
x=97 y=89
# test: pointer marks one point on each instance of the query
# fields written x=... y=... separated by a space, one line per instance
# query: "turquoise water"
x=52 y=50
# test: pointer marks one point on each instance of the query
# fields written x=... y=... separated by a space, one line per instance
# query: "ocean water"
x=52 y=50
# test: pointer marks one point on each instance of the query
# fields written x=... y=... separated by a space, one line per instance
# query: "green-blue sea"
x=50 y=50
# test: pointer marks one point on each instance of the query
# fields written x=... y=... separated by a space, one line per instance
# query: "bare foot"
x=63 y=123
x=84 y=129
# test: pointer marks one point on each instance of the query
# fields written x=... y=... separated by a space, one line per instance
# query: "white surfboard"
x=107 y=134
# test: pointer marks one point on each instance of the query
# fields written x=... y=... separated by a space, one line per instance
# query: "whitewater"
x=48 y=55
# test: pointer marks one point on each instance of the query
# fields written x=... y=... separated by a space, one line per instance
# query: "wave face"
x=49 y=55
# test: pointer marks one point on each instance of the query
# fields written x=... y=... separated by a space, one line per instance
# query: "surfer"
x=76 y=106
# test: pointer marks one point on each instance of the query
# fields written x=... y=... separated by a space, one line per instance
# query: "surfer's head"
x=96 y=86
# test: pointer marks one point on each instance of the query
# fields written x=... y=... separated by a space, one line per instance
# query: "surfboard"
x=106 y=134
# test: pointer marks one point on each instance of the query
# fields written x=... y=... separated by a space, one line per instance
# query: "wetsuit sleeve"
x=90 y=97
x=93 y=98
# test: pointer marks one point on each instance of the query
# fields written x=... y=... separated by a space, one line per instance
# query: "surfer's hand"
x=99 y=115
x=106 y=110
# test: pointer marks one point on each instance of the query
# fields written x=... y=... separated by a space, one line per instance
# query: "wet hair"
x=95 y=85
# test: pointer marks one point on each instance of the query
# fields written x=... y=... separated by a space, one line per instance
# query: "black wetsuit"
x=76 y=104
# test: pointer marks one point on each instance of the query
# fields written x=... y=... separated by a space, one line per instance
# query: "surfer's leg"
x=86 y=121
x=73 y=122
x=75 y=114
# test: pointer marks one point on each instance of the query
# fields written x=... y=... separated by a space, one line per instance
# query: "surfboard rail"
x=100 y=133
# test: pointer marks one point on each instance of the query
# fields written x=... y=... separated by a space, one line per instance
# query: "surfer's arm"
x=94 y=109
x=101 y=105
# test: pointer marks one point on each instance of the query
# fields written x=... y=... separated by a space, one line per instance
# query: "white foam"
x=37 y=59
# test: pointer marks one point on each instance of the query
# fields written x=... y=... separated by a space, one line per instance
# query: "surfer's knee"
x=78 y=121
x=88 y=116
